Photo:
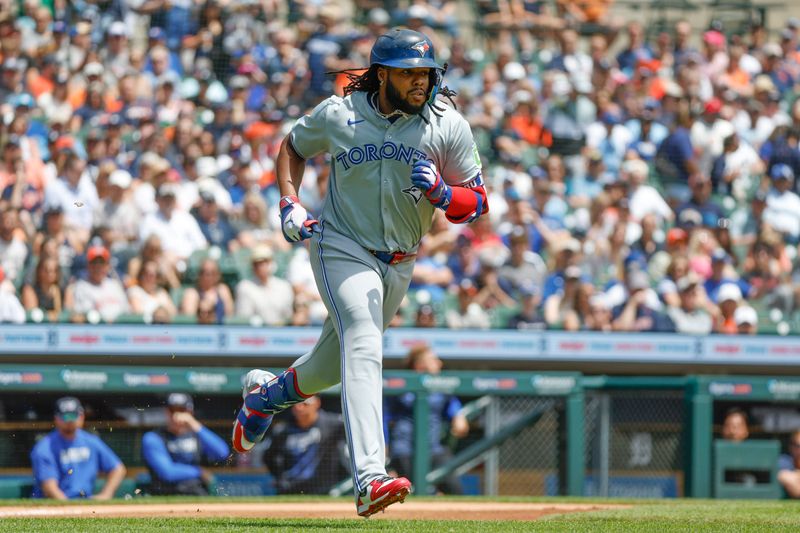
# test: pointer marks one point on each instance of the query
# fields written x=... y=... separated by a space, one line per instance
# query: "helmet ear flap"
x=436 y=77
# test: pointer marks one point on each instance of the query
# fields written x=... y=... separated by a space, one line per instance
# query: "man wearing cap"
x=266 y=296
x=746 y=320
x=636 y=314
x=729 y=296
x=98 y=292
x=700 y=202
x=720 y=275
x=178 y=230
x=67 y=460
x=173 y=455
x=688 y=317
x=76 y=194
x=118 y=209
x=213 y=224
x=306 y=453
x=783 y=204
x=523 y=268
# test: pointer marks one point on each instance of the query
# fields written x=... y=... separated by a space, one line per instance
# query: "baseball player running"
x=396 y=155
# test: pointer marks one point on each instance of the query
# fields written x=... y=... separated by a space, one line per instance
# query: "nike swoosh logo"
x=351 y=122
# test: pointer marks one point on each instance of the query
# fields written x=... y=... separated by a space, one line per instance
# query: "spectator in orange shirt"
x=526 y=120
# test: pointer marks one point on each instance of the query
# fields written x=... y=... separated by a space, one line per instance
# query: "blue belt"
x=392 y=258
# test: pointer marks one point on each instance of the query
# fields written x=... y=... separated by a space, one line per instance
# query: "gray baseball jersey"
x=370 y=197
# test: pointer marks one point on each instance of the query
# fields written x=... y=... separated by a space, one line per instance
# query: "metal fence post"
x=492 y=466
x=700 y=407
x=604 y=445
x=575 y=442
x=422 y=442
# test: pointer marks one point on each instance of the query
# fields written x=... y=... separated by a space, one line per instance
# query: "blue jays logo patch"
x=422 y=47
x=415 y=193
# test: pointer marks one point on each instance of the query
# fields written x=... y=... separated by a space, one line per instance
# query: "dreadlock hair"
x=362 y=80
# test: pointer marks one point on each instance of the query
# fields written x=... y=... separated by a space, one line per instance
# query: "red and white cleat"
x=382 y=493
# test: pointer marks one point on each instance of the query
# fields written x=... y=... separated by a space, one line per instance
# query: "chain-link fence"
x=634 y=443
x=528 y=461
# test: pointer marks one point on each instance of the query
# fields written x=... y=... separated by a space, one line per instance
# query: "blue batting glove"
x=296 y=223
x=427 y=179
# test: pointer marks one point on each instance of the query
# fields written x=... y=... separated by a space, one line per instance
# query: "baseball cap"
x=676 y=235
x=781 y=171
x=260 y=253
x=745 y=315
x=166 y=189
x=179 y=401
x=120 y=178
x=713 y=106
x=687 y=282
x=118 y=29
x=93 y=69
x=207 y=196
x=720 y=256
x=714 y=38
x=68 y=408
x=98 y=251
x=379 y=16
x=513 y=71
x=156 y=33
x=729 y=291
x=638 y=280
x=572 y=272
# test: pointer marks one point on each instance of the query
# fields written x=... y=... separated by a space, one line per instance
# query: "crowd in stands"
x=637 y=182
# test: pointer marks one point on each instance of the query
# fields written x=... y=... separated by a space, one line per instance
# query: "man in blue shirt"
x=444 y=415
x=307 y=454
x=66 y=461
x=173 y=454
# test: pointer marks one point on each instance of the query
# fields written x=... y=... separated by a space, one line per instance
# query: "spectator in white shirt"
x=12 y=249
x=75 y=193
x=783 y=204
x=644 y=199
x=97 y=292
x=179 y=233
x=11 y=310
x=268 y=297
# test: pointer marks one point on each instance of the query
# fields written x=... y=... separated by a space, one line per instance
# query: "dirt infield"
x=411 y=510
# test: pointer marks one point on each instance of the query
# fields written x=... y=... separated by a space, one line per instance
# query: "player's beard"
x=397 y=101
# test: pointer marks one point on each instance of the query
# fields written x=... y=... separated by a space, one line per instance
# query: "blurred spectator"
x=688 y=317
x=67 y=460
x=523 y=267
x=149 y=294
x=729 y=296
x=789 y=467
x=635 y=314
x=734 y=425
x=720 y=265
x=118 y=209
x=214 y=225
x=209 y=290
x=173 y=454
x=529 y=316
x=306 y=452
x=13 y=251
x=444 y=415
x=76 y=195
x=98 y=292
x=11 y=310
x=179 y=233
x=45 y=291
x=151 y=250
x=468 y=314
x=425 y=317
x=431 y=273
x=746 y=320
x=266 y=296
x=783 y=204
x=562 y=308
x=700 y=210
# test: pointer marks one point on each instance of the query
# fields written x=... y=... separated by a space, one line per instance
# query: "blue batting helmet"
x=403 y=49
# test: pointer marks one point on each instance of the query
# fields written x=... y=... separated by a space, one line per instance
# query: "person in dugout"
x=67 y=460
x=174 y=454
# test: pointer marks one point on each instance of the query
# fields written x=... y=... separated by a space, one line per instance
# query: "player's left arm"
x=457 y=187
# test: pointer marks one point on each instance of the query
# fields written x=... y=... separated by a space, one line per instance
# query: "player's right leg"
x=265 y=394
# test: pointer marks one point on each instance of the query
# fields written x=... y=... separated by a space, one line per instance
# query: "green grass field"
x=660 y=516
